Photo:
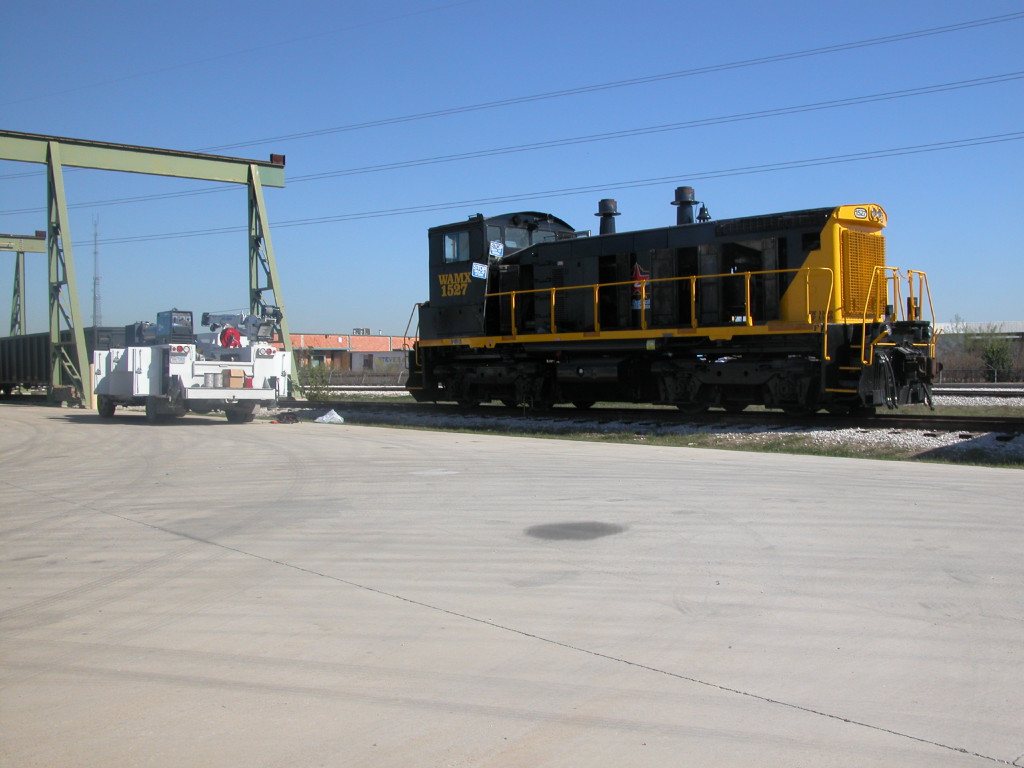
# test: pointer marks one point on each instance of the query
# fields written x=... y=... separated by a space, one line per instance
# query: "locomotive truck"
x=796 y=311
x=171 y=370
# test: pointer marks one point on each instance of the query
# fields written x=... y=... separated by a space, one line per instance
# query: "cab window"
x=456 y=247
x=516 y=238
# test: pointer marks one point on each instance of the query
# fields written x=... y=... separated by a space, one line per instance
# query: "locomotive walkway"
x=206 y=594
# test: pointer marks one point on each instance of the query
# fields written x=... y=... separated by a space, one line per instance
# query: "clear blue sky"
x=210 y=76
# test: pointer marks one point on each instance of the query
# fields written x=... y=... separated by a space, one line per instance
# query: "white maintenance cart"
x=170 y=370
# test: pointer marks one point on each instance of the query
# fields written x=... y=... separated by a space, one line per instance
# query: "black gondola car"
x=25 y=360
x=796 y=310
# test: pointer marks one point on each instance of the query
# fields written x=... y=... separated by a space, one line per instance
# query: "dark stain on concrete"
x=574 y=531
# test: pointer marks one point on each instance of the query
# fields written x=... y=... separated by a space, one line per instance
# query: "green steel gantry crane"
x=69 y=364
x=21 y=244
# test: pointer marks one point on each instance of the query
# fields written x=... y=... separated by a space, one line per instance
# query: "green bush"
x=313 y=382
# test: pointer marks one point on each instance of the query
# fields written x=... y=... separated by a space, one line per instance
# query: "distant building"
x=355 y=352
x=1010 y=328
x=981 y=352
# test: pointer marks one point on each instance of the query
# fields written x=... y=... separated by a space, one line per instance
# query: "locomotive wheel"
x=850 y=409
x=862 y=410
x=692 y=409
x=798 y=410
x=106 y=407
x=734 y=407
x=510 y=403
x=583 y=404
x=806 y=406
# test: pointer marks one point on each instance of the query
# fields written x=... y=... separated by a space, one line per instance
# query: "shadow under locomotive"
x=796 y=311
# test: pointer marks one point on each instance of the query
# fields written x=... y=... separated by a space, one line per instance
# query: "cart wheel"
x=240 y=415
x=153 y=415
x=106 y=407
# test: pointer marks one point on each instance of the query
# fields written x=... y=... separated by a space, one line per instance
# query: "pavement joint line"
x=540 y=638
x=563 y=644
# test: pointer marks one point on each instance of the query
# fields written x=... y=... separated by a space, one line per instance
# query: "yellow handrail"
x=814 y=315
x=911 y=312
x=924 y=290
x=873 y=291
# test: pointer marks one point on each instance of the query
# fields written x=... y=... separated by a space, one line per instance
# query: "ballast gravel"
x=960 y=447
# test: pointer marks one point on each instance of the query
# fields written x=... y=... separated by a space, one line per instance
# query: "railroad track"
x=401 y=412
x=1011 y=389
x=565 y=416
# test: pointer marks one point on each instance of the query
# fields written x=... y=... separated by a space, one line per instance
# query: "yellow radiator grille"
x=861 y=254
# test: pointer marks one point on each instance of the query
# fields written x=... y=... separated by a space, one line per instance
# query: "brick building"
x=359 y=352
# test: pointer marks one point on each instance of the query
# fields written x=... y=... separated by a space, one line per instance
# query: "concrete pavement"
x=205 y=594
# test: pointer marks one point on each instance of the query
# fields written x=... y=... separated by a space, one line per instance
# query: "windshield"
x=516 y=238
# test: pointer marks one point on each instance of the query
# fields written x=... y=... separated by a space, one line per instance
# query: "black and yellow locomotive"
x=796 y=311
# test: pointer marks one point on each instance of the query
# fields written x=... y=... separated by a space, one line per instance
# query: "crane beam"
x=69 y=366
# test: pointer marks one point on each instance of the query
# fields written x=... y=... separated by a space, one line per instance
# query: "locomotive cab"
x=461 y=259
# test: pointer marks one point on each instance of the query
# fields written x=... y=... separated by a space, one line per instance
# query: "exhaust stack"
x=607 y=210
x=685 y=202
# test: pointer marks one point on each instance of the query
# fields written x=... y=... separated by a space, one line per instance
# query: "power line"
x=700 y=123
x=743 y=63
x=134 y=75
x=571 y=191
x=627 y=133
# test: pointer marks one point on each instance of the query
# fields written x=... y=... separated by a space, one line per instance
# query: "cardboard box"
x=233 y=378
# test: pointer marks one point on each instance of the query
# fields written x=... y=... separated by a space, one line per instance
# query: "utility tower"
x=97 y=313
